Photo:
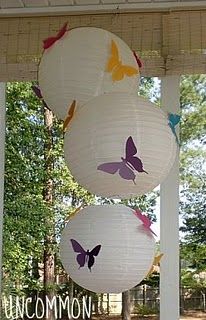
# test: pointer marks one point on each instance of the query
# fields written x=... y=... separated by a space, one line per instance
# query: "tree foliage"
x=193 y=173
x=25 y=176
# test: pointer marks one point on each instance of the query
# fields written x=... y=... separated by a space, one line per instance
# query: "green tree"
x=193 y=173
x=26 y=208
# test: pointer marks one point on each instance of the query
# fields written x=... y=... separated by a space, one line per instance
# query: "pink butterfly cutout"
x=145 y=220
x=51 y=40
x=139 y=62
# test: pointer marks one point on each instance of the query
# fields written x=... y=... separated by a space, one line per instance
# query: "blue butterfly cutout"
x=174 y=119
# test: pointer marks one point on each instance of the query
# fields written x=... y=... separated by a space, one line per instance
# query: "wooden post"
x=126 y=305
x=169 y=217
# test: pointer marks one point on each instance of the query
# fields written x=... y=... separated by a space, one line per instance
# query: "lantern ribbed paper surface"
x=126 y=254
x=107 y=130
x=74 y=68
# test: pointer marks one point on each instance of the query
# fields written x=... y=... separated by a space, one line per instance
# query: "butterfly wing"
x=147 y=223
x=69 y=116
x=37 y=91
x=96 y=250
x=90 y=261
x=156 y=262
x=93 y=253
x=72 y=108
x=81 y=257
x=174 y=132
x=77 y=247
x=129 y=71
x=115 y=66
x=110 y=167
x=145 y=220
x=114 y=58
x=136 y=163
x=152 y=232
x=157 y=259
x=118 y=74
x=126 y=173
x=47 y=43
x=62 y=31
x=121 y=70
x=131 y=149
x=139 y=62
x=174 y=119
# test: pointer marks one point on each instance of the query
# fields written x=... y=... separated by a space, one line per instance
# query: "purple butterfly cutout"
x=38 y=93
x=127 y=165
x=85 y=256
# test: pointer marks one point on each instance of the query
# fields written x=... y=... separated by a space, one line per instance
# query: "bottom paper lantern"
x=106 y=249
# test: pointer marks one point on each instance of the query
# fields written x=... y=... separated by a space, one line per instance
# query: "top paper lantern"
x=83 y=63
x=120 y=145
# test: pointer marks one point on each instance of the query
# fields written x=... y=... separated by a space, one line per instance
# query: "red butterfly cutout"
x=50 y=41
x=145 y=220
x=139 y=62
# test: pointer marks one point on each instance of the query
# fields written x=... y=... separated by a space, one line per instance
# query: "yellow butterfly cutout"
x=71 y=215
x=116 y=67
x=155 y=263
x=69 y=116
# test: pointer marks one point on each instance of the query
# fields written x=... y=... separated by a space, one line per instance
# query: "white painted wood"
x=36 y=3
x=169 y=217
x=82 y=2
x=164 y=1
x=10 y=4
x=113 y=1
x=140 y=1
x=61 y=2
x=38 y=7
x=2 y=161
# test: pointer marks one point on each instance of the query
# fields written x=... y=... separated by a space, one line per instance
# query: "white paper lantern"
x=99 y=134
x=126 y=254
x=74 y=68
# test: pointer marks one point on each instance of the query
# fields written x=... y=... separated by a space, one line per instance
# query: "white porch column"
x=2 y=154
x=169 y=216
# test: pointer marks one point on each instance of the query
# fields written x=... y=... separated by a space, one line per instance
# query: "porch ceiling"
x=32 y=7
x=169 y=42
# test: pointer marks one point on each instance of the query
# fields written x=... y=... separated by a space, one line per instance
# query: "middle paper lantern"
x=119 y=146
x=107 y=248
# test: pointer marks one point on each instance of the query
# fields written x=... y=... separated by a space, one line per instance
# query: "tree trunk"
x=49 y=241
x=126 y=305
x=71 y=293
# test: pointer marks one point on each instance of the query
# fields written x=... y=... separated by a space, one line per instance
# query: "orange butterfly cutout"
x=73 y=213
x=155 y=264
x=116 y=67
x=70 y=115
